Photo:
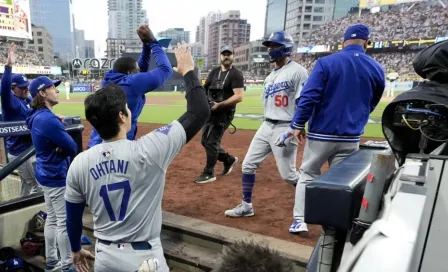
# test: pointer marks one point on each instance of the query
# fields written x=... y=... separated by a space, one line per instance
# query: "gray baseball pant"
x=55 y=228
x=26 y=173
x=317 y=153
x=112 y=258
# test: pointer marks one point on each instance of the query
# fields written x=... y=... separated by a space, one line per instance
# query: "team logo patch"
x=106 y=154
x=165 y=130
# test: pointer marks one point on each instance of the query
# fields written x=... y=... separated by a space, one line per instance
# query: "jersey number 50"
x=104 y=193
x=281 y=100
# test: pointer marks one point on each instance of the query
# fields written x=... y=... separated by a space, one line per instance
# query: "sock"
x=248 y=185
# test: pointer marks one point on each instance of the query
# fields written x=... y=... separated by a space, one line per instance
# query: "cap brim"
x=56 y=82
x=23 y=85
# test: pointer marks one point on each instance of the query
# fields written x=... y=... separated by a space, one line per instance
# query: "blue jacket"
x=338 y=97
x=48 y=133
x=14 y=109
x=137 y=85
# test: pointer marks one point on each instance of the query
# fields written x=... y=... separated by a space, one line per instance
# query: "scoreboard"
x=15 y=18
x=6 y=15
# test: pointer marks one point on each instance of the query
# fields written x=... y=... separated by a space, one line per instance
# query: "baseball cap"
x=358 y=31
x=42 y=83
x=19 y=80
x=227 y=48
x=15 y=263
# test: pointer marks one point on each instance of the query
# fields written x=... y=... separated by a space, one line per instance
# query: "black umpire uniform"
x=225 y=86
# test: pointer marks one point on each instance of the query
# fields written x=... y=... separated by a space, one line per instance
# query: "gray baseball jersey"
x=123 y=183
x=281 y=89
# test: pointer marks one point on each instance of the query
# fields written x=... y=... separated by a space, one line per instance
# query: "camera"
x=215 y=95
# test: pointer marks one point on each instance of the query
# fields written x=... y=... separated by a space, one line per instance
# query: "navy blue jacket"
x=338 y=97
x=137 y=85
x=14 y=109
x=48 y=133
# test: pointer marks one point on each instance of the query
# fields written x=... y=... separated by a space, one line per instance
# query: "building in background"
x=117 y=47
x=42 y=44
x=304 y=16
x=275 y=16
x=230 y=30
x=343 y=7
x=124 y=18
x=252 y=58
x=80 y=46
x=202 y=31
x=90 y=49
x=57 y=18
x=177 y=35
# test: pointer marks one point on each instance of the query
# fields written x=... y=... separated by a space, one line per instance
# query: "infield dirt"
x=273 y=199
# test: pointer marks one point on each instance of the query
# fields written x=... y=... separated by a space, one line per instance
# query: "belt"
x=135 y=245
x=276 y=121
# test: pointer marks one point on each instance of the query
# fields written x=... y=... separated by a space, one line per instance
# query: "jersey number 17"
x=104 y=193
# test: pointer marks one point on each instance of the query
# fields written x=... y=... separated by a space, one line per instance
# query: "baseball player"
x=342 y=91
x=15 y=107
x=281 y=92
x=135 y=80
x=55 y=148
x=122 y=181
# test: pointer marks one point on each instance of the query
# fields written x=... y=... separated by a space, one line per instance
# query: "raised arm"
x=145 y=81
x=6 y=93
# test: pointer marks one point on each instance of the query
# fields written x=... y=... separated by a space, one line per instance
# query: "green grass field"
x=248 y=115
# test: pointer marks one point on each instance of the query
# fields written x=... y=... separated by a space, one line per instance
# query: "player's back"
x=122 y=182
x=281 y=89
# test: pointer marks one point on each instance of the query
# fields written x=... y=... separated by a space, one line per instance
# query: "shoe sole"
x=238 y=216
x=205 y=181
x=231 y=167
x=303 y=234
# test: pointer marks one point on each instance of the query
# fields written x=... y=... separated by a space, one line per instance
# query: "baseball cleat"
x=205 y=178
x=299 y=227
x=242 y=210
x=56 y=266
x=228 y=167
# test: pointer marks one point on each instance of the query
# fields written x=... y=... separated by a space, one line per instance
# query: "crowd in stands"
x=406 y=21
x=399 y=62
x=25 y=56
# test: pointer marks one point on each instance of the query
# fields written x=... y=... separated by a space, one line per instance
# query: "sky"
x=91 y=16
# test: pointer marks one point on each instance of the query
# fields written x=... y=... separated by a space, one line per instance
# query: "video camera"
x=429 y=119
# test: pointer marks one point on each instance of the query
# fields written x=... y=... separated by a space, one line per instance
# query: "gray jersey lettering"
x=123 y=183
x=281 y=89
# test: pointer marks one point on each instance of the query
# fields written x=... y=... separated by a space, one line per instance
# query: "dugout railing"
x=16 y=211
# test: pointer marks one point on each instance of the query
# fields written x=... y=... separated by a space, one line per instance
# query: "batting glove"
x=281 y=139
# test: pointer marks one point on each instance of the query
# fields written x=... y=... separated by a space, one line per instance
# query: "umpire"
x=224 y=87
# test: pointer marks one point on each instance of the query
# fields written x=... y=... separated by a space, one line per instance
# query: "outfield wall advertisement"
x=15 y=19
x=376 y=3
x=34 y=70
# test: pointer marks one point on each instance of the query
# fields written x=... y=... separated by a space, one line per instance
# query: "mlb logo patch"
x=106 y=154
x=165 y=130
x=120 y=246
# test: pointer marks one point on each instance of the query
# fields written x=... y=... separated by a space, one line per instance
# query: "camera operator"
x=224 y=86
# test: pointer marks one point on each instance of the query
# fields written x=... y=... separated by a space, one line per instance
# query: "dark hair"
x=38 y=102
x=250 y=257
x=102 y=110
x=125 y=65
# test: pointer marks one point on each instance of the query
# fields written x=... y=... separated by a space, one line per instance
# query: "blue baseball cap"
x=15 y=263
x=358 y=31
x=42 y=83
x=19 y=80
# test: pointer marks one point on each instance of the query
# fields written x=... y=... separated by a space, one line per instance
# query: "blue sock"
x=248 y=185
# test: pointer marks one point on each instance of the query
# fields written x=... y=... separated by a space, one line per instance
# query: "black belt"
x=135 y=245
x=276 y=121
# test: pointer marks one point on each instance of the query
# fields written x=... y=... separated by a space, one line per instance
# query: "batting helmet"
x=39 y=221
x=281 y=38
